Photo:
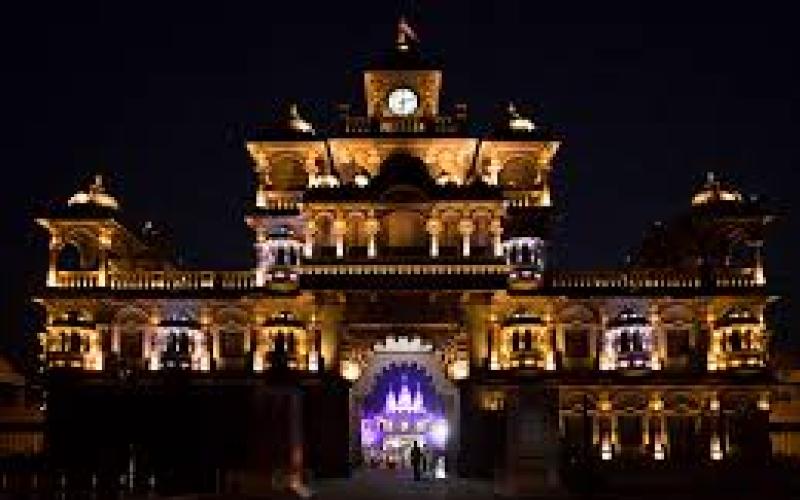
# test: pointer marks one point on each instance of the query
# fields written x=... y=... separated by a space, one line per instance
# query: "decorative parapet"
x=609 y=281
x=157 y=280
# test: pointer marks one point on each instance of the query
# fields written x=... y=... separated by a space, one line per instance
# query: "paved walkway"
x=391 y=485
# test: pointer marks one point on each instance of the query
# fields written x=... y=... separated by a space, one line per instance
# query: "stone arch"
x=674 y=314
x=231 y=325
x=520 y=171
x=629 y=400
x=69 y=258
x=578 y=313
x=288 y=173
x=430 y=363
x=84 y=242
x=130 y=325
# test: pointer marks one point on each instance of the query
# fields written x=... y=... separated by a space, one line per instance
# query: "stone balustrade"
x=244 y=280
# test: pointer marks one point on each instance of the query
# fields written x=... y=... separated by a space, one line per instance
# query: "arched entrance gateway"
x=403 y=397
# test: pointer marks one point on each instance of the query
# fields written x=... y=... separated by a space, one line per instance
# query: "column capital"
x=434 y=225
x=310 y=226
x=466 y=226
x=56 y=242
x=339 y=226
x=371 y=226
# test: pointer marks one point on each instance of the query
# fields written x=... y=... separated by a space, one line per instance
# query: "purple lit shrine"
x=402 y=408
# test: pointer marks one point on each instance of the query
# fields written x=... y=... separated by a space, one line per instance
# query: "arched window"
x=69 y=258
x=736 y=340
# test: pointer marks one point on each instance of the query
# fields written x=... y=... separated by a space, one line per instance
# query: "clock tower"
x=403 y=83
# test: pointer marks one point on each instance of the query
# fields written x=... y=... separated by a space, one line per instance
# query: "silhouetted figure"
x=424 y=461
x=416 y=457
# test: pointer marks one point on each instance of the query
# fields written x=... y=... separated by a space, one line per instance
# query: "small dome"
x=628 y=317
x=714 y=191
x=520 y=318
x=96 y=195
x=297 y=123
x=738 y=316
x=283 y=318
x=517 y=122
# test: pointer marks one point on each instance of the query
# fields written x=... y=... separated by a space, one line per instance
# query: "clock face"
x=403 y=101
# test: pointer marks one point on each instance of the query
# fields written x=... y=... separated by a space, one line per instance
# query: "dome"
x=96 y=195
x=714 y=191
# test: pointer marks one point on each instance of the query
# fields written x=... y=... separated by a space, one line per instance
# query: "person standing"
x=416 y=456
x=424 y=460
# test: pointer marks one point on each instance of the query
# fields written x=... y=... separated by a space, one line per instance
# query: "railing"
x=77 y=279
x=158 y=280
x=284 y=200
x=656 y=278
x=411 y=265
x=415 y=269
x=625 y=279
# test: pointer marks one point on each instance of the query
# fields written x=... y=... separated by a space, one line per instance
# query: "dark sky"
x=159 y=99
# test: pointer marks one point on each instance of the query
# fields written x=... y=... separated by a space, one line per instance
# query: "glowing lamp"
x=763 y=403
x=459 y=369
x=313 y=361
x=350 y=370
x=439 y=432
x=716 y=448
x=658 y=451
x=605 y=450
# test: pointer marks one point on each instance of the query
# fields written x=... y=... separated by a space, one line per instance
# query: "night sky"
x=160 y=98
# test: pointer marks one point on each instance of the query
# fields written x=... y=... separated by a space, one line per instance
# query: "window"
x=231 y=344
x=130 y=344
x=735 y=340
x=576 y=343
x=677 y=343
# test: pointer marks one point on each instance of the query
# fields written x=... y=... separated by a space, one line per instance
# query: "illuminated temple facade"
x=399 y=240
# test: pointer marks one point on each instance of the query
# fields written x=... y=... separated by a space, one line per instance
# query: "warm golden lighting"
x=351 y=370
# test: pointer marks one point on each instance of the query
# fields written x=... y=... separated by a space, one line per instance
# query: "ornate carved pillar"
x=493 y=171
x=434 y=227
x=115 y=339
x=339 y=230
x=371 y=226
x=758 y=265
x=262 y=257
x=310 y=230
x=496 y=229
x=466 y=227
x=55 y=247
x=104 y=243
